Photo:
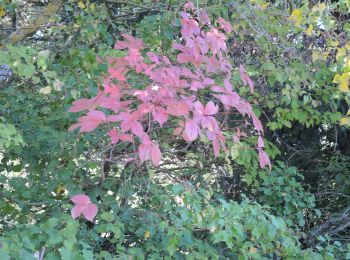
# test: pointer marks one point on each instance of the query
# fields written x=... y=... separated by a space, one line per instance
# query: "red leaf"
x=198 y=106
x=130 y=43
x=117 y=73
x=76 y=211
x=155 y=155
x=264 y=159
x=260 y=142
x=257 y=124
x=80 y=199
x=226 y=26
x=83 y=206
x=211 y=109
x=192 y=130
x=74 y=126
x=216 y=147
x=89 y=211
x=246 y=79
x=160 y=115
x=145 y=151
x=137 y=129
x=80 y=105
x=153 y=57
x=114 y=135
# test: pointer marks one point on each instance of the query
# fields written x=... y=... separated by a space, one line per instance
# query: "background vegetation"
x=192 y=205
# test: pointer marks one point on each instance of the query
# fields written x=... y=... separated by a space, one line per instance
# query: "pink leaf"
x=80 y=199
x=97 y=115
x=130 y=43
x=76 y=211
x=189 y=5
x=126 y=138
x=260 y=142
x=246 y=79
x=210 y=123
x=257 y=124
x=264 y=159
x=153 y=57
x=198 y=106
x=216 y=147
x=183 y=58
x=177 y=108
x=145 y=152
x=134 y=57
x=204 y=17
x=137 y=129
x=192 y=130
x=83 y=206
x=90 y=211
x=117 y=73
x=218 y=89
x=189 y=27
x=160 y=115
x=114 y=135
x=92 y=120
x=155 y=155
x=74 y=126
x=196 y=85
x=226 y=26
x=211 y=109
x=80 y=105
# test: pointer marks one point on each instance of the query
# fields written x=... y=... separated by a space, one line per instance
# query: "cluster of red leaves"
x=83 y=206
x=172 y=91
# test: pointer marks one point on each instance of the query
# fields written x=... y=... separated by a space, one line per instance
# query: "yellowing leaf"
x=81 y=5
x=333 y=43
x=316 y=55
x=344 y=87
x=344 y=121
x=252 y=250
x=147 y=234
x=264 y=5
x=46 y=90
x=341 y=52
x=348 y=113
x=2 y=11
x=343 y=81
x=74 y=93
x=234 y=152
x=44 y=53
x=309 y=30
x=58 y=85
x=60 y=190
x=321 y=6
x=296 y=17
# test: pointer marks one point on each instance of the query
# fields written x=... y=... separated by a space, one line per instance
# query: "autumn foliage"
x=173 y=95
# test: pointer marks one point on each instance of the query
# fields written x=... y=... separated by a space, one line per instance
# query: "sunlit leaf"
x=45 y=90
x=309 y=30
x=2 y=11
x=344 y=121
x=81 y=5
x=296 y=17
x=343 y=81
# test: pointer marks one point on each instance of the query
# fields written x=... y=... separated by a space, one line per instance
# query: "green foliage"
x=9 y=136
x=193 y=206
x=282 y=190
x=184 y=222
